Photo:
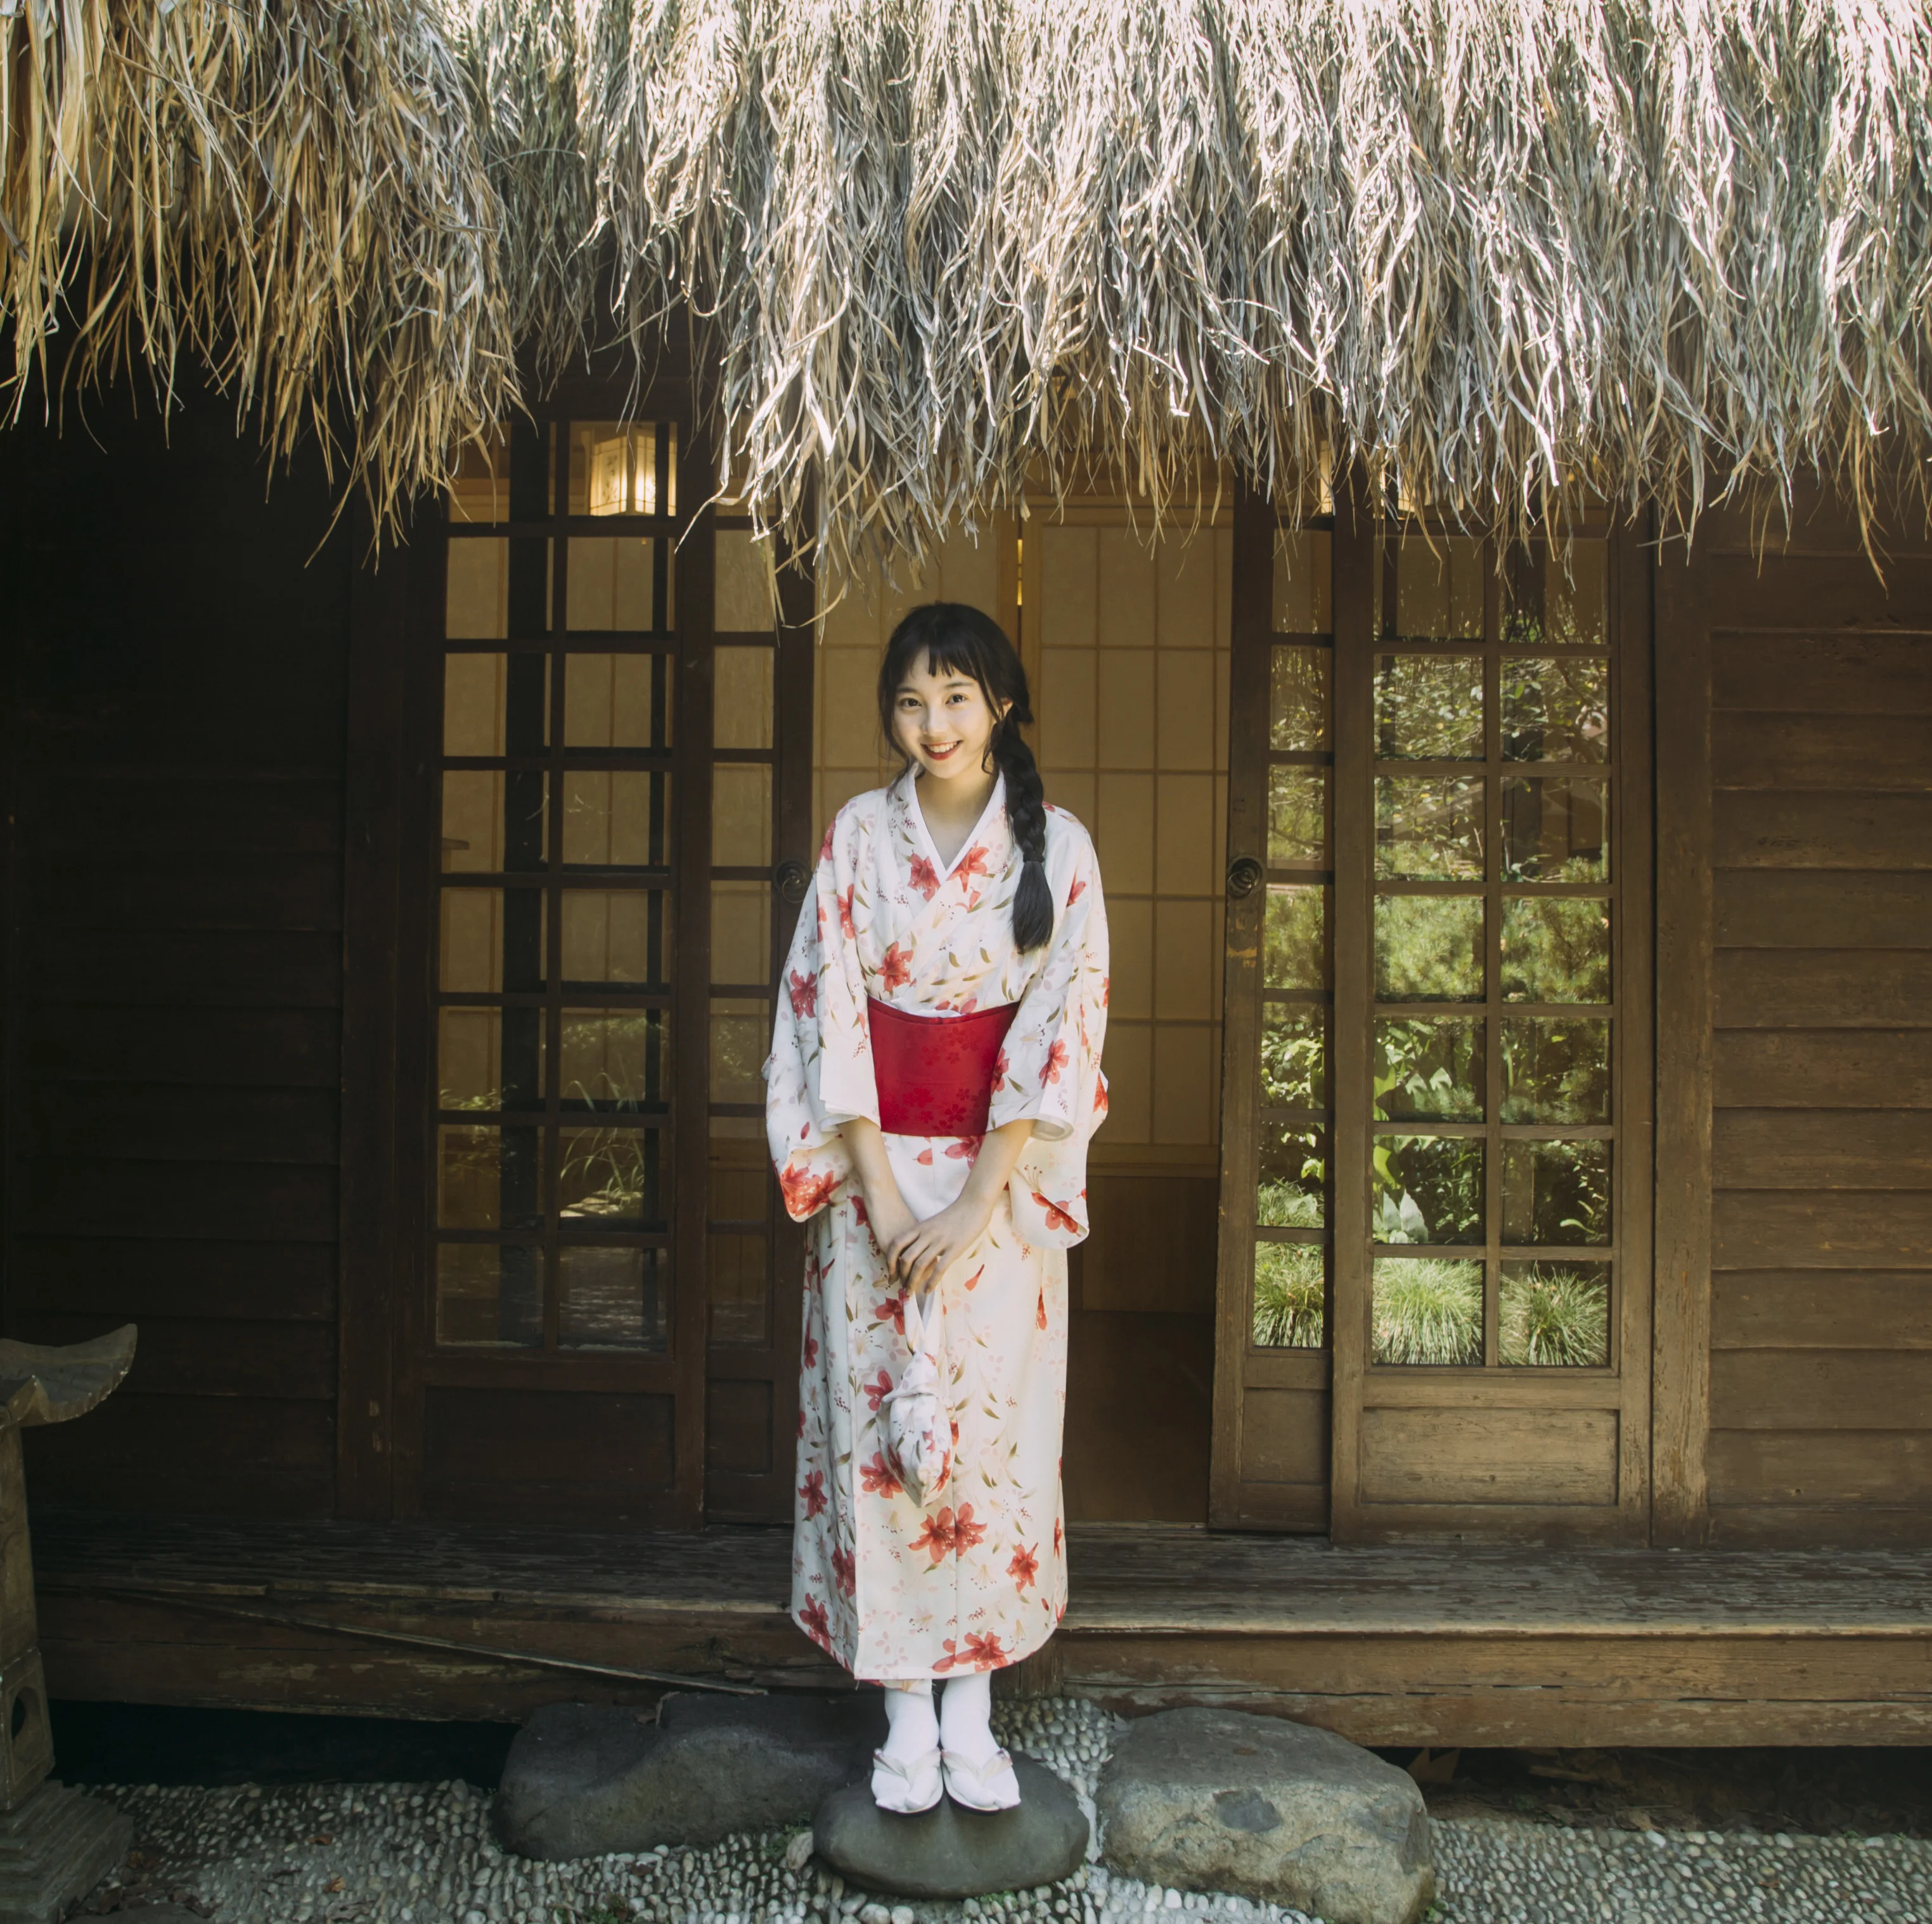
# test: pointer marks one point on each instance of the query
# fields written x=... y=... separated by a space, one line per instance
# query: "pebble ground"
x=414 y=1854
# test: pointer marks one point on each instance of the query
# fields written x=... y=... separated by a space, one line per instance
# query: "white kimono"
x=977 y=1578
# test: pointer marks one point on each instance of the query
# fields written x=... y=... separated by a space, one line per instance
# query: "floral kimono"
x=976 y=1577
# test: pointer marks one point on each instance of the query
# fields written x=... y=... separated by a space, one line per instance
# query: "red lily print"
x=1056 y=1061
x=925 y=877
x=972 y=863
x=1000 y=1066
x=1056 y=1218
x=972 y=1280
x=813 y=1491
x=896 y=968
x=953 y=1658
x=804 y=1192
x=876 y=1393
x=811 y=1350
x=845 y=1572
x=1039 y=1315
x=936 y=1539
x=858 y=1215
x=1024 y=1569
x=878 y=1478
x=1057 y=1536
x=845 y=913
x=966 y=1534
x=1099 y=1096
x=804 y=994
x=982 y=1651
x=924 y=1159
x=966 y=1149
x=1074 y=894
x=801 y=1423
x=1106 y=983
x=825 y=847
x=894 y=1307
x=811 y=1614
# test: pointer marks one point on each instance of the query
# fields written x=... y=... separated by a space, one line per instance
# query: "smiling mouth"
x=938 y=753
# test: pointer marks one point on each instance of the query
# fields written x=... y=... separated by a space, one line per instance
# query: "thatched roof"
x=929 y=242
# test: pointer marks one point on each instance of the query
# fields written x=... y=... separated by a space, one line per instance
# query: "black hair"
x=957 y=639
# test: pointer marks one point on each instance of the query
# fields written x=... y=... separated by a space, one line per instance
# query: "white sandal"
x=907 y=1788
x=990 y=1786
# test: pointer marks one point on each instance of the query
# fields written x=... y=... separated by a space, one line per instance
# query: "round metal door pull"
x=792 y=879
x=1244 y=877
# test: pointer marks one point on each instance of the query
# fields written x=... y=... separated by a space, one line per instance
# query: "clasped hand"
x=918 y=1253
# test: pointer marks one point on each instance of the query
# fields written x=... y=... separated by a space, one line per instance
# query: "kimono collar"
x=989 y=845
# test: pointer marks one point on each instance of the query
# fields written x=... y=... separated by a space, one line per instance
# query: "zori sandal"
x=990 y=1786
x=907 y=1787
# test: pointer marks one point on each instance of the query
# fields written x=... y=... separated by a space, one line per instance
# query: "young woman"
x=935 y=1076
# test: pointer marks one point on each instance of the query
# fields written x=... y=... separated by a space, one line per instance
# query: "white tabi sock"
x=966 y=1718
x=912 y=1730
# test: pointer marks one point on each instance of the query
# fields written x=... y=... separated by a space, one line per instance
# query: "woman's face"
x=943 y=722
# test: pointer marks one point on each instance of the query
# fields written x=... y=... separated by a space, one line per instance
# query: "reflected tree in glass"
x=1556 y=1192
x=1294 y=950
x=1292 y=1187
x=1553 y=1315
x=1555 y=709
x=1555 y=829
x=1297 y=817
x=1290 y=1301
x=1428 y=949
x=1294 y=1056
x=1429 y=1070
x=1429 y=827
x=1427 y=1311
x=1556 y=1069
x=1426 y=1189
x=1556 y=949
x=1429 y=708
x=1298 y=700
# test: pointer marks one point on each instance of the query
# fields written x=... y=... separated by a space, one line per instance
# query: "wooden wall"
x=1816 y=737
x=175 y=665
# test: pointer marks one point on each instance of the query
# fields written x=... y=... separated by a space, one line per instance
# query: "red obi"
x=934 y=1073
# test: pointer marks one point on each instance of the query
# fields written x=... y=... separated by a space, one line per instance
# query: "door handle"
x=792 y=879
x=1244 y=877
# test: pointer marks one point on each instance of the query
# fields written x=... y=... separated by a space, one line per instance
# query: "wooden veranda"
x=1413 y=1644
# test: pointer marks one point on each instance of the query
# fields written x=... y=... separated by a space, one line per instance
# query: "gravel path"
x=422 y=1854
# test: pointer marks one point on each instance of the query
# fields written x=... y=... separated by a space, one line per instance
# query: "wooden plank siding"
x=176 y=678
x=1820 y=1080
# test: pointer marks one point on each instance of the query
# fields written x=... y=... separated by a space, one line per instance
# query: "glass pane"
x=1556 y=1192
x=609 y=1179
x=1303 y=576
x=1294 y=1057
x=490 y=1058
x=741 y=1039
x=1555 y=1069
x=613 y=583
x=1556 y=709
x=488 y=1178
x=741 y=715
x=1429 y=708
x=613 y=1059
x=1292 y=1191
x=495 y=821
x=1298 y=818
x=1575 y=584
x=492 y=941
x=746 y=600
x=1427 y=1189
x=1555 y=829
x=741 y=932
x=1439 y=588
x=489 y=1296
x=1429 y=1071
x=1290 y=1295
x=1428 y=828
x=496 y=704
x=1298 y=700
x=1294 y=947
x=1556 y=949
x=613 y=468
x=1429 y=948
x=616 y=701
x=476 y=605
x=615 y=818
x=736 y=1286
x=741 y=815
x=1554 y=1315
x=613 y=1298
x=1427 y=1311
x=616 y=935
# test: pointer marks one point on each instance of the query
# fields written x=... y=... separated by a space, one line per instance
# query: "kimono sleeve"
x=819 y=1075
x=1049 y=1072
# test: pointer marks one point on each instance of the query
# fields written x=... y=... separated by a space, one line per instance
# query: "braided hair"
x=957 y=639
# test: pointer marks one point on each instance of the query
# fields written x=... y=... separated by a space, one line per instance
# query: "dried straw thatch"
x=928 y=244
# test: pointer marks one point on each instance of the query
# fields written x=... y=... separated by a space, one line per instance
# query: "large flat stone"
x=949 y=1851
x=582 y=1779
x=1223 y=1800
